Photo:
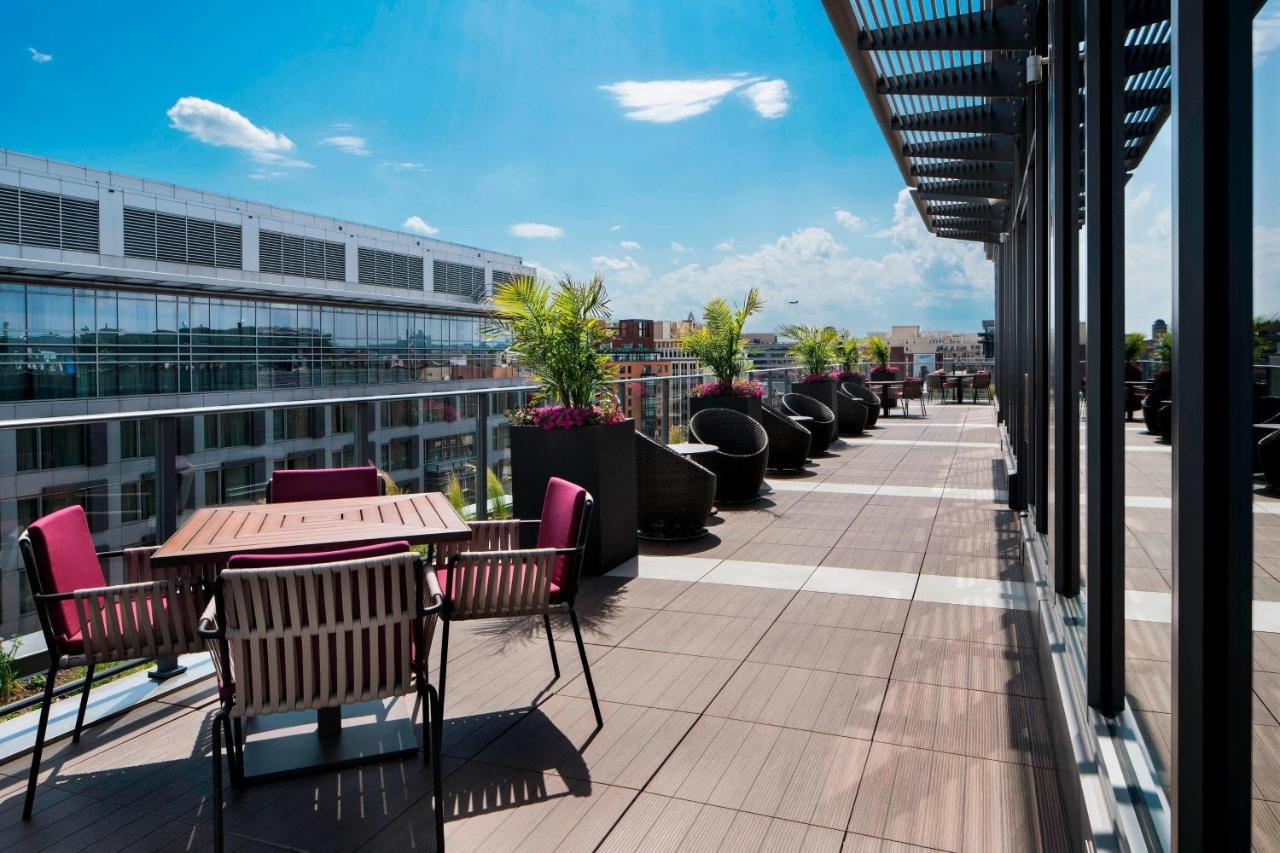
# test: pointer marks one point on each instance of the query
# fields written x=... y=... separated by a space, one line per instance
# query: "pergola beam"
x=1010 y=27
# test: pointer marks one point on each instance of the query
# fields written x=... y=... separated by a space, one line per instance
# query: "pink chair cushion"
x=66 y=561
x=363 y=552
x=561 y=520
x=318 y=484
x=73 y=644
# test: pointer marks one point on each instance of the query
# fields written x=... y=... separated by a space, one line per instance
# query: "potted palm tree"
x=573 y=429
x=849 y=357
x=813 y=351
x=718 y=344
x=877 y=351
x=1134 y=346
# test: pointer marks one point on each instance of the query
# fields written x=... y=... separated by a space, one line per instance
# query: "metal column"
x=1105 y=179
x=1212 y=445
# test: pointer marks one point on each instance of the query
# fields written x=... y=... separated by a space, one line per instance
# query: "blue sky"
x=683 y=149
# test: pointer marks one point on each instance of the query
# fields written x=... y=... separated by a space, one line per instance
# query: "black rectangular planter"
x=601 y=459
x=824 y=392
x=747 y=405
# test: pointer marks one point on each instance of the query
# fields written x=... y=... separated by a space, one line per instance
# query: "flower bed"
x=564 y=417
x=728 y=389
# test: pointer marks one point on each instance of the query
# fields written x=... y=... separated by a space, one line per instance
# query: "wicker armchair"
x=788 y=441
x=85 y=622
x=851 y=413
x=272 y=655
x=913 y=389
x=861 y=392
x=674 y=495
x=743 y=453
x=1269 y=455
x=823 y=425
x=1161 y=389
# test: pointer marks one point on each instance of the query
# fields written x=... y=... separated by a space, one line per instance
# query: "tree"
x=1134 y=346
x=877 y=349
x=814 y=348
x=718 y=342
x=848 y=352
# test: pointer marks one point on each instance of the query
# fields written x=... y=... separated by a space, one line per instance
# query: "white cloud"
x=666 y=101
x=215 y=124
x=403 y=166
x=1266 y=36
x=418 y=226
x=679 y=248
x=343 y=125
x=630 y=245
x=850 y=221
x=615 y=228
x=542 y=271
x=350 y=144
x=769 y=98
x=623 y=270
x=536 y=230
x=725 y=245
x=267 y=174
x=37 y=56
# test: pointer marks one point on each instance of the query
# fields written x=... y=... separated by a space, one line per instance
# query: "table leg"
x=167 y=667
x=329 y=722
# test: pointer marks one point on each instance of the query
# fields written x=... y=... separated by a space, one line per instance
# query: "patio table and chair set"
x=325 y=598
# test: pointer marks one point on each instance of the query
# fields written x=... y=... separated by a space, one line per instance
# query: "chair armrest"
x=136 y=620
x=433 y=594
x=208 y=627
x=488 y=584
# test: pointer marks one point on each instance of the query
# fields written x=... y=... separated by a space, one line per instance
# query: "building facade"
x=651 y=348
x=908 y=343
x=125 y=294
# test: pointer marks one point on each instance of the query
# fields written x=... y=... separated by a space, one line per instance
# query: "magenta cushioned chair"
x=491 y=577
x=86 y=622
x=318 y=484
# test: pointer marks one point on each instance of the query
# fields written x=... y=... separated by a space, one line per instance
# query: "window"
x=181 y=239
x=229 y=430
x=52 y=447
x=137 y=500
x=137 y=439
x=91 y=496
x=344 y=419
x=450 y=447
x=398 y=455
x=400 y=413
x=297 y=423
x=290 y=254
x=344 y=458
x=230 y=484
x=389 y=269
x=302 y=459
x=458 y=279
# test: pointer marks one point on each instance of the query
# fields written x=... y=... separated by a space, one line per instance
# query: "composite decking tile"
x=655 y=823
x=718 y=599
x=835 y=610
x=601 y=626
x=976 y=666
x=854 y=843
x=772 y=552
x=851 y=555
x=1266 y=763
x=655 y=679
x=698 y=634
x=997 y=626
x=989 y=568
x=814 y=700
x=854 y=652
x=813 y=537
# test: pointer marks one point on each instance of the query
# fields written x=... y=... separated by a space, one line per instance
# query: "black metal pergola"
x=1014 y=124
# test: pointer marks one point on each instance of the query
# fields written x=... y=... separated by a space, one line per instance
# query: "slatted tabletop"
x=219 y=532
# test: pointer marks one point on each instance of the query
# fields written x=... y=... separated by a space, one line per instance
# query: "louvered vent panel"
x=200 y=242
x=171 y=238
x=8 y=214
x=38 y=215
x=293 y=263
x=500 y=277
x=415 y=273
x=79 y=224
x=459 y=279
x=227 y=246
x=139 y=233
x=367 y=266
x=270 y=252
x=313 y=257
x=335 y=261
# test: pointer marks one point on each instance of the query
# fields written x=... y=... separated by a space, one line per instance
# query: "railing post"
x=482 y=457
x=166 y=469
x=364 y=434
x=665 y=438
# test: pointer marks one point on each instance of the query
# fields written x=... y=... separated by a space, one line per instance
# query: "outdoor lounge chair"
x=1161 y=389
x=981 y=381
x=743 y=453
x=674 y=495
x=85 y=622
x=861 y=392
x=823 y=425
x=851 y=413
x=317 y=484
x=493 y=577
x=912 y=389
x=315 y=632
x=788 y=440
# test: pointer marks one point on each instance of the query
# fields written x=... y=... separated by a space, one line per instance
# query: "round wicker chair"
x=861 y=392
x=674 y=495
x=823 y=425
x=788 y=441
x=851 y=413
x=739 y=463
x=1161 y=390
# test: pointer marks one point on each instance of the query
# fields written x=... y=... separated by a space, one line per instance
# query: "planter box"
x=747 y=405
x=601 y=459
x=884 y=374
x=824 y=392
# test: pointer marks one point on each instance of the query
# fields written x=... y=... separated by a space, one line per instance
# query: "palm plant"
x=848 y=352
x=877 y=349
x=1134 y=345
x=718 y=342
x=1262 y=324
x=497 y=495
x=1163 y=350
x=558 y=332
x=814 y=348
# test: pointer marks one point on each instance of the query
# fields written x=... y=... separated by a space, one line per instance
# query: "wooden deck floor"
x=832 y=669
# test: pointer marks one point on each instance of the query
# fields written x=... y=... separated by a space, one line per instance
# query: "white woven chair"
x=319 y=636
x=492 y=577
x=86 y=622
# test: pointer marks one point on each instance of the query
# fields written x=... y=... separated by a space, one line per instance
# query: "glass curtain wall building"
x=119 y=293
x=1017 y=126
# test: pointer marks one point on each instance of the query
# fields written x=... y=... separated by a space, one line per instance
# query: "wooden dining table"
x=283 y=744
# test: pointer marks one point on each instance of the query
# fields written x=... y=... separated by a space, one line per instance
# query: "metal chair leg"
x=39 y=747
x=551 y=643
x=434 y=744
x=444 y=669
x=84 y=703
x=216 y=794
x=586 y=667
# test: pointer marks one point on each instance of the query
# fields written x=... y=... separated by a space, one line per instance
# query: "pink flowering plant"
x=565 y=417
x=737 y=388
